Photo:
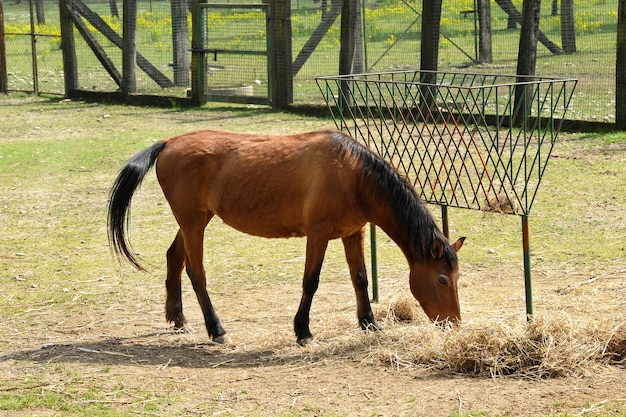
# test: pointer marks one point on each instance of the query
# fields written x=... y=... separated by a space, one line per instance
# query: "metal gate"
x=33 y=58
x=234 y=52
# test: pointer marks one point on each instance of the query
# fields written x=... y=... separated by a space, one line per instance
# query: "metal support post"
x=444 y=221
x=527 y=272
x=374 y=262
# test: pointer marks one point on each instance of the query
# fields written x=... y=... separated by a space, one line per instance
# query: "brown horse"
x=322 y=185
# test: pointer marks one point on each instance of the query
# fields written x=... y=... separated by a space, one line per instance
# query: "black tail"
x=127 y=182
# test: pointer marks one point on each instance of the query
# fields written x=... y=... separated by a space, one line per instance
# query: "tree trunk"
x=113 y=8
x=484 y=41
x=429 y=55
x=180 y=42
x=41 y=14
x=347 y=49
x=620 y=64
x=568 y=33
x=526 y=58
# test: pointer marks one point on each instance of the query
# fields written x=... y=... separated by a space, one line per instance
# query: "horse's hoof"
x=307 y=341
x=178 y=319
x=222 y=340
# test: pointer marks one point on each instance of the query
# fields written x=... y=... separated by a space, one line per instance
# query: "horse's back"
x=273 y=186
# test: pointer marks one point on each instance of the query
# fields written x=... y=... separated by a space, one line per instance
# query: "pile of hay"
x=545 y=347
x=501 y=203
x=403 y=309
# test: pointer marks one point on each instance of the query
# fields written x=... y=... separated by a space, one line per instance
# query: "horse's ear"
x=458 y=244
x=436 y=251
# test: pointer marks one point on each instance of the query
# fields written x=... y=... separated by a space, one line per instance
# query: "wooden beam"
x=95 y=46
x=510 y=9
x=97 y=22
x=328 y=19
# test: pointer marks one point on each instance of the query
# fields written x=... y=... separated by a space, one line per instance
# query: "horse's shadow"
x=141 y=350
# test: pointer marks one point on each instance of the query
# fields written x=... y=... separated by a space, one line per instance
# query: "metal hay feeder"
x=474 y=141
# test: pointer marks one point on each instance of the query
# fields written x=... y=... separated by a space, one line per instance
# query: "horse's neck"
x=383 y=216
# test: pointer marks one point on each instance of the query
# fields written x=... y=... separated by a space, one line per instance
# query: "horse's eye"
x=443 y=280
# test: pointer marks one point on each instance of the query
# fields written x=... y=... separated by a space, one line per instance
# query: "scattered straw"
x=403 y=309
x=546 y=347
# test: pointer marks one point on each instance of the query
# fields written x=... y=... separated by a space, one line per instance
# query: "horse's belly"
x=263 y=225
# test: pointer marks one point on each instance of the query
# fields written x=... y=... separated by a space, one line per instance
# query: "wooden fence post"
x=620 y=64
x=129 y=50
x=281 y=71
x=4 y=79
x=68 y=49
x=484 y=31
x=198 y=54
x=526 y=59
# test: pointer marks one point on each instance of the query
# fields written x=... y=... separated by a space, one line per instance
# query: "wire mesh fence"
x=235 y=39
x=33 y=55
x=390 y=31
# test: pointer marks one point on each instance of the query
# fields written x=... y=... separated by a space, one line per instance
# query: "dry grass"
x=501 y=203
x=541 y=348
x=545 y=347
x=84 y=329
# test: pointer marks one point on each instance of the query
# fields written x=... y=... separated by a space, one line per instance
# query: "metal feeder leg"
x=527 y=278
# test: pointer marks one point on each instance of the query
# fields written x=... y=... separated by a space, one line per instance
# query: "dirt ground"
x=103 y=342
x=133 y=356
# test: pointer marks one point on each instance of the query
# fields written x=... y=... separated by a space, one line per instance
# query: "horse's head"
x=434 y=281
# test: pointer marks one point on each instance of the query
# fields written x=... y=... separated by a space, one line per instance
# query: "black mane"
x=418 y=228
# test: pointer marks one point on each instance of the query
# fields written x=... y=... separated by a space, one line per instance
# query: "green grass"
x=72 y=399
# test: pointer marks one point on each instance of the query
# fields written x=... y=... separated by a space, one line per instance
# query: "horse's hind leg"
x=354 y=249
x=175 y=264
x=193 y=235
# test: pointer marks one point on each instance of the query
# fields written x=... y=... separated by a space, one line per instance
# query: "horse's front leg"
x=173 y=301
x=316 y=245
x=355 y=255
